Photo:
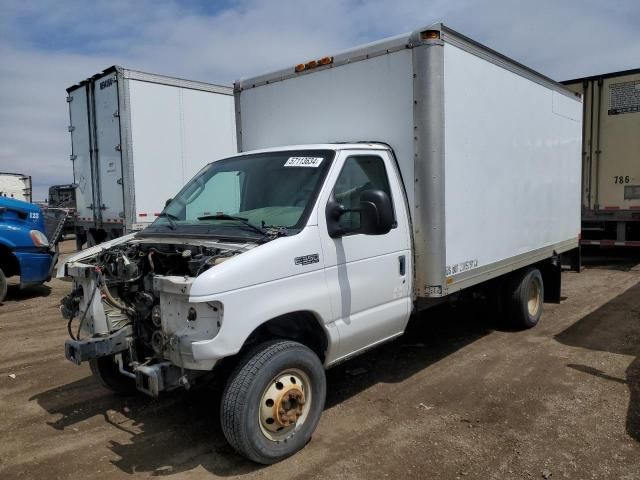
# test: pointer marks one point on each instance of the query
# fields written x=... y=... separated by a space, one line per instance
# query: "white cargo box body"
x=137 y=138
x=489 y=150
x=15 y=185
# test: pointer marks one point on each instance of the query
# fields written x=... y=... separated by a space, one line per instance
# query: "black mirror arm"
x=334 y=211
x=340 y=210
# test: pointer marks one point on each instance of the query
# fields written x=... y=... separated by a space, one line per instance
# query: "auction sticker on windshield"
x=313 y=162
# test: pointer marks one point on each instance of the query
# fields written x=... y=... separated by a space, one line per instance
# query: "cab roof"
x=323 y=146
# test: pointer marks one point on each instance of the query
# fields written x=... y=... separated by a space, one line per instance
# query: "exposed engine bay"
x=130 y=301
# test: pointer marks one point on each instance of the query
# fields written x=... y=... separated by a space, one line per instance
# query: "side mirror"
x=376 y=212
x=167 y=202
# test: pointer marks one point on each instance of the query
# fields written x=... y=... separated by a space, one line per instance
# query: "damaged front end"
x=130 y=302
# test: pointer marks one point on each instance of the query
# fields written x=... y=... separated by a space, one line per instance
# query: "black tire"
x=253 y=378
x=106 y=371
x=80 y=240
x=526 y=301
x=3 y=286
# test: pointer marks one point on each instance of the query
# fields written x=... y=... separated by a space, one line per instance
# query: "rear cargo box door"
x=108 y=146
x=619 y=175
x=80 y=155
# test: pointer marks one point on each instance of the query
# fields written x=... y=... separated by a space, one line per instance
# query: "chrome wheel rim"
x=285 y=404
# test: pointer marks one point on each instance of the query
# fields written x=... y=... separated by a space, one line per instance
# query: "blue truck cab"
x=24 y=247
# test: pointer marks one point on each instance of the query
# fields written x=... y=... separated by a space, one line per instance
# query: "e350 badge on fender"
x=307 y=259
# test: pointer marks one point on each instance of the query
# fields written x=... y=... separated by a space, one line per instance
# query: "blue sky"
x=47 y=46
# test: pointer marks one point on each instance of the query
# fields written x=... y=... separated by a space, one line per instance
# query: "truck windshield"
x=248 y=195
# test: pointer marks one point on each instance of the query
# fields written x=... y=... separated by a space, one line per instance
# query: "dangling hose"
x=84 y=314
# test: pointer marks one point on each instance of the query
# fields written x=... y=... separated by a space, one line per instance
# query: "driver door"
x=368 y=275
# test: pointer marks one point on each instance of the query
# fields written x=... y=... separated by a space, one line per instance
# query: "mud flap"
x=552 y=278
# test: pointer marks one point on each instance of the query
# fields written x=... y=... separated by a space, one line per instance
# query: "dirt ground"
x=457 y=397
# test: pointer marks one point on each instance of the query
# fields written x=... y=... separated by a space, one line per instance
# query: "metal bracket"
x=71 y=128
x=153 y=379
x=78 y=351
x=69 y=98
x=73 y=157
x=118 y=148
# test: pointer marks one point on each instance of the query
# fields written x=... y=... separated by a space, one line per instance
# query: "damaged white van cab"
x=235 y=262
x=284 y=261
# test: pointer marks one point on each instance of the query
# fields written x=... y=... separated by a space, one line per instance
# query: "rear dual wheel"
x=273 y=400
x=3 y=285
x=526 y=299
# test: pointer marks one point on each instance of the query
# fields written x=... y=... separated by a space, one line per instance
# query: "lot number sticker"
x=312 y=162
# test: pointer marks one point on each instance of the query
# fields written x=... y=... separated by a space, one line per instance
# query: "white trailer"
x=372 y=184
x=15 y=185
x=611 y=158
x=136 y=138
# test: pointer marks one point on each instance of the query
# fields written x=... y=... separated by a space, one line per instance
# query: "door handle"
x=402 y=263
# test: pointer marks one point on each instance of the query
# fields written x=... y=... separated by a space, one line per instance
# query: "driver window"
x=359 y=173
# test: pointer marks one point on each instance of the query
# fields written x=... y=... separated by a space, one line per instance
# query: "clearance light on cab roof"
x=313 y=64
x=430 y=35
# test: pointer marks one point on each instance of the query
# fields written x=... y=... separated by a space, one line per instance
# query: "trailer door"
x=108 y=147
x=80 y=153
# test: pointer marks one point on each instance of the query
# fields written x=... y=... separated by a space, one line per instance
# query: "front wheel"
x=273 y=400
x=106 y=371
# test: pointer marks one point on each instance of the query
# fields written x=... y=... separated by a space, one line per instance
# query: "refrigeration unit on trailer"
x=610 y=158
x=136 y=138
x=15 y=185
x=372 y=183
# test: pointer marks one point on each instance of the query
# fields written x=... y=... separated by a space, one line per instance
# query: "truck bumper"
x=35 y=267
x=78 y=351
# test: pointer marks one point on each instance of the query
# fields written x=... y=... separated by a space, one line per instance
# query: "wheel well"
x=8 y=262
x=551 y=271
x=303 y=327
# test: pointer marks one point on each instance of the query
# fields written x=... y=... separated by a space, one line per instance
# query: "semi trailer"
x=610 y=158
x=16 y=186
x=371 y=184
x=136 y=138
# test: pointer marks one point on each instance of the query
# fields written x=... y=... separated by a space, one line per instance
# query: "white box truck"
x=371 y=184
x=136 y=138
x=15 y=185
